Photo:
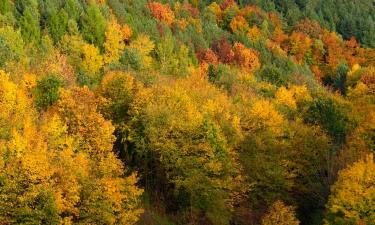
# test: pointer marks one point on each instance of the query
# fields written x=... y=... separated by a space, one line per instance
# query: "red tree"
x=223 y=50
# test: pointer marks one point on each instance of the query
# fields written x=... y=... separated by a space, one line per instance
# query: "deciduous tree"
x=353 y=195
x=161 y=12
x=281 y=214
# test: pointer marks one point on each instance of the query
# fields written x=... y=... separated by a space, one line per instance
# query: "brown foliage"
x=223 y=50
x=207 y=56
x=227 y=4
x=309 y=27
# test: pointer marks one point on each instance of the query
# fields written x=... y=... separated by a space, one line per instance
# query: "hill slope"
x=184 y=112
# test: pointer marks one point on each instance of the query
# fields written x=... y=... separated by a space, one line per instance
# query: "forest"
x=196 y=112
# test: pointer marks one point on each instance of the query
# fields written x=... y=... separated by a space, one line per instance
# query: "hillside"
x=187 y=112
x=348 y=18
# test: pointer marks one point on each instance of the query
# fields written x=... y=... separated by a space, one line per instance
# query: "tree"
x=334 y=50
x=189 y=141
x=93 y=25
x=13 y=103
x=339 y=80
x=368 y=77
x=114 y=43
x=246 y=58
x=300 y=46
x=309 y=27
x=29 y=23
x=119 y=89
x=239 y=25
x=254 y=34
x=161 y=12
x=285 y=97
x=331 y=117
x=58 y=24
x=46 y=91
x=223 y=50
x=207 y=56
x=50 y=176
x=352 y=199
x=141 y=46
x=78 y=109
x=264 y=116
x=107 y=197
x=280 y=214
x=72 y=47
x=11 y=45
x=74 y=9
x=92 y=61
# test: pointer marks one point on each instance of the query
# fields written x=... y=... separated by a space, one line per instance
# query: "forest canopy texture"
x=174 y=112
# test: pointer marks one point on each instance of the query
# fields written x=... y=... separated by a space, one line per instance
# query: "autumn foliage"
x=246 y=58
x=161 y=12
x=186 y=112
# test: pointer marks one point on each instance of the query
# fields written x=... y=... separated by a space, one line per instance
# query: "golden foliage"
x=239 y=25
x=190 y=125
x=119 y=89
x=61 y=162
x=144 y=45
x=78 y=110
x=254 y=33
x=300 y=45
x=92 y=61
x=264 y=116
x=280 y=214
x=285 y=97
x=114 y=43
x=353 y=194
x=246 y=58
x=14 y=104
x=215 y=8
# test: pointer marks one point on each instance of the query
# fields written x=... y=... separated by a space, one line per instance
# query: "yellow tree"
x=114 y=42
x=14 y=106
x=280 y=214
x=285 y=97
x=106 y=196
x=118 y=88
x=352 y=200
x=239 y=25
x=144 y=46
x=254 y=33
x=78 y=110
x=263 y=116
x=92 y=60
x=189 y=129
x=55 y=170
x=216 y=10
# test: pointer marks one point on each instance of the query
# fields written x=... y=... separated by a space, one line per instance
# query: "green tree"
x=58 y=24
x=331 y=116
x=29 y=24
x=11 y=45
x=93 y=25
x=46 y=91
